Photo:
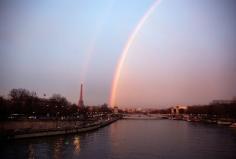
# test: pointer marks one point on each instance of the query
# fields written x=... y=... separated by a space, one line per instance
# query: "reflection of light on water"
x=57 y=148
x=31 y=152
x=113 y=130
x=77 y=145
x=114 y=135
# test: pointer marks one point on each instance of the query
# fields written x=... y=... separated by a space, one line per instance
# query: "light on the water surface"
x=76 y=143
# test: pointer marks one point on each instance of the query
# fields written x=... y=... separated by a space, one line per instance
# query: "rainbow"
x=126 y=49
x=92 y=44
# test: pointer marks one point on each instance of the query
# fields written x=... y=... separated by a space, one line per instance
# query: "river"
x=132 y=139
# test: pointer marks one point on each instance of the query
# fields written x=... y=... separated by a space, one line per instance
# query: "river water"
x=132 y=139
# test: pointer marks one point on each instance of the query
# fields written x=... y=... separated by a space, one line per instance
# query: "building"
x=81 y=101
x=116 y=110
x=178 y=109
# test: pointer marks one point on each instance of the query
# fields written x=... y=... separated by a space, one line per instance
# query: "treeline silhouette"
x=26 y=103
x=221 y=109
x=216 y=109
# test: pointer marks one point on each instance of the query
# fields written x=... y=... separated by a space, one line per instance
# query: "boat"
x=233 y=125
x=224 y=122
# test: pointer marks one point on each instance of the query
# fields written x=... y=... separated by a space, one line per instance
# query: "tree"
x=22 y=101
x=21 y=94
x=4 y=108
x=58 y=105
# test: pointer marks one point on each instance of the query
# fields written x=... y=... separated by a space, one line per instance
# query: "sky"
x=184 y=52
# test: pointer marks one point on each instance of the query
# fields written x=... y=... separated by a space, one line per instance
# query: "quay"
x=60 y=131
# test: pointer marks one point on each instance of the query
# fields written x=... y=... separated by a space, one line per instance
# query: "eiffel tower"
x=81 y=102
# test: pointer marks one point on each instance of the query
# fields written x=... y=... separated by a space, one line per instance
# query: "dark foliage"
x=27 y=104
x=220 y=109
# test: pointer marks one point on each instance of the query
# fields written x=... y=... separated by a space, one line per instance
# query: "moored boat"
x=224 y=122
x=233 y=125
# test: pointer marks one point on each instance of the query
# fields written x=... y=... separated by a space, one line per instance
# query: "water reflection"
x=51 y=147
x=57 y=148
x=76 y=143
x=131 y=139
x=31 y=152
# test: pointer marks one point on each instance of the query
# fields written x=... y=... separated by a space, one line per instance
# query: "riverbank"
x=185 y=117
x=203 y=119
x=75 y=127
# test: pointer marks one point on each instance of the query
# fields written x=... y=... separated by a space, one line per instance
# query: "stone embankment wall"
x=37 y=125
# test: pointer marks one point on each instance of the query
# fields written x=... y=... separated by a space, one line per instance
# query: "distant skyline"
x=184 y=52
